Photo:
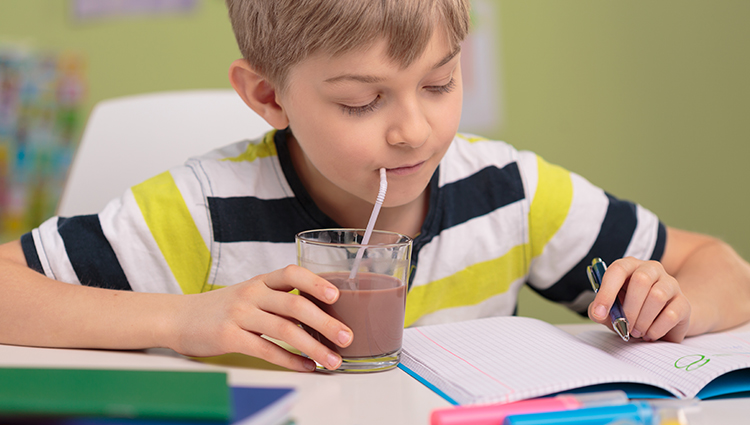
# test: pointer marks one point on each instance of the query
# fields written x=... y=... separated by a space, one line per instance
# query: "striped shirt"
x=498 y=218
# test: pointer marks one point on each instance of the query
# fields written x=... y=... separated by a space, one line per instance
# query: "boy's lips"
x=406 y=169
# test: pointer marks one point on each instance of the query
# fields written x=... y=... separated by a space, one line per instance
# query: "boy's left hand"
x=653 y=302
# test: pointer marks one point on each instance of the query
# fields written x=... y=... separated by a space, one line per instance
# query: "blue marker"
x=619 y=323
x=636 y=413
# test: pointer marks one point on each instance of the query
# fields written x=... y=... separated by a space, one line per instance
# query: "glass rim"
x=407 y=240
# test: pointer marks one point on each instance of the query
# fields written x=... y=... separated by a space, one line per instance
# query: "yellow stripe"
x=260 y=150
x=473 y=138
x=478 y=282
x=176 y=234
x=551 y=204
x=469 y=286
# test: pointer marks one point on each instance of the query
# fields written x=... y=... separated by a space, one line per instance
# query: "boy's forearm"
x=39 y=311
x=716 y=280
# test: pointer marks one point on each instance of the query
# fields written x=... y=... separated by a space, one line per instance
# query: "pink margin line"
x=511 y=390
x=738 y=338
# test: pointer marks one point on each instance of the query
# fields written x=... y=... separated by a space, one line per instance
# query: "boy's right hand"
x=232 y=320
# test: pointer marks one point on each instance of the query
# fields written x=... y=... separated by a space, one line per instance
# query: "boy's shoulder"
x=247 y=150
x=492 y=150
x=249 y=167
x=469 y=153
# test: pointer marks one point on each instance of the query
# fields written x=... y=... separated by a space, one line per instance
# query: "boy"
x=352 y=87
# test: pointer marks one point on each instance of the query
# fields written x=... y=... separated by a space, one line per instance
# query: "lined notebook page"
x=689 y=365
x=503 y=359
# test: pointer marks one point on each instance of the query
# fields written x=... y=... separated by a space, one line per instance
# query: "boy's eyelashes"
x=361 y=110
x=364 y=109
x=445 y=88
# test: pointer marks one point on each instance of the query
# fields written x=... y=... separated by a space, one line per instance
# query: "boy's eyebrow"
x=448 y=58
x=370 y=79
x=367 y=79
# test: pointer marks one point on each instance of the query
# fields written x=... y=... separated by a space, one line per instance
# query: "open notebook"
x=504 y=359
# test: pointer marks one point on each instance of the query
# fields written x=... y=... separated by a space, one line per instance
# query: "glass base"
x=366 y=364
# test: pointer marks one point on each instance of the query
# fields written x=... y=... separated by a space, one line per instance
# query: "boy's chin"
x=403 y=200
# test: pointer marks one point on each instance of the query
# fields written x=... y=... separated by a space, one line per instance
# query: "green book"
x=195 y=395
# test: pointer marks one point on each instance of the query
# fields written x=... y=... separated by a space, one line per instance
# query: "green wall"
x=646 y=99
x=130 y=55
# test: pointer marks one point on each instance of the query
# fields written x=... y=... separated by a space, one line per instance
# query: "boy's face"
x=353 y=114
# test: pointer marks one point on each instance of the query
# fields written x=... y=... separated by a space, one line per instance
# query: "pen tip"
x=621 y=327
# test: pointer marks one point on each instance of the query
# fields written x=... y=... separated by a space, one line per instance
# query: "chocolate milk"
x=374 y=312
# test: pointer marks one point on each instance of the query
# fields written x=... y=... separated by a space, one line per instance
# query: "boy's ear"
x=258 y=93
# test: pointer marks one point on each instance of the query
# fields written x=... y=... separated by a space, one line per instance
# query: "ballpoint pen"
x=620 y=324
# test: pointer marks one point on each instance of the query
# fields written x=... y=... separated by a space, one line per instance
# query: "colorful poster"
x=41 y=96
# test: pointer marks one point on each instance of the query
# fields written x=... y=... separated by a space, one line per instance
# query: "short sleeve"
x=148 y=240
x=571 y=221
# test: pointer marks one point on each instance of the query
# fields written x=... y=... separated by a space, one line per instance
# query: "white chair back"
x=130 y=139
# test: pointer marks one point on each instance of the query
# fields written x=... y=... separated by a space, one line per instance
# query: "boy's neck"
x=406 y=219
x=350 y=211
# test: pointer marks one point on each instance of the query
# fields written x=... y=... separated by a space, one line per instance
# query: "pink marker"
x=493 y=414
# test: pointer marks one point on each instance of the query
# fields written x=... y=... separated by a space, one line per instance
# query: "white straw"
x=370 y=225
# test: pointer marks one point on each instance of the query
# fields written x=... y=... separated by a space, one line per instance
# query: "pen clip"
x=595 y=273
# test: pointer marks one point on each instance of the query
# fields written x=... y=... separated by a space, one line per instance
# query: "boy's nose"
x=409 y=127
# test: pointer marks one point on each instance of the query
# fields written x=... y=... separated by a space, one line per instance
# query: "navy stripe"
x=425 y=233
x=29 y=251
x=489 y=189
x=92 y=257
x=614 y=237
x=250 y=219
x=661 y=241
x=307 y=207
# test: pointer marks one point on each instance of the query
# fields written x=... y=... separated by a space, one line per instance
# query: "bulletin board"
x=41 y=98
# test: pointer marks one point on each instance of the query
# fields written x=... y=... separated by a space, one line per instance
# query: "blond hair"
x=274 y=35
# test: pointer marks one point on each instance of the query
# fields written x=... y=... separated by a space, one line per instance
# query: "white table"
x=390 y=397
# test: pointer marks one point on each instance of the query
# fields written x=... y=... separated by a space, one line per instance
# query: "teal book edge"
x=194 y=395
x=427 y=384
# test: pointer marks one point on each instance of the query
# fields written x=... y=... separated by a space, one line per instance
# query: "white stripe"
x=503 y=304
x=646 y=233
x=465 y=158
x=529 y=169
x=51 y=241
x=135 y=248
x=41 y=253
x=255 y=258
x=229 y=151
x=575 y=237
x=495 y=234
x=263 y=178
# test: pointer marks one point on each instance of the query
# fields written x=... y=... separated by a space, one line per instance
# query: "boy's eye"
x=446 y=88
x=364 y=109
x=361 y=110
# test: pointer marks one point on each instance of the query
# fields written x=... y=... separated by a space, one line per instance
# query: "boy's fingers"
x=256 y=346
x=661 y=293
x=283 y=330
x=614 y=278
x=672 y=322
x=305 y=311
x=640 y=281
x=678 y=332
x=291 y=277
